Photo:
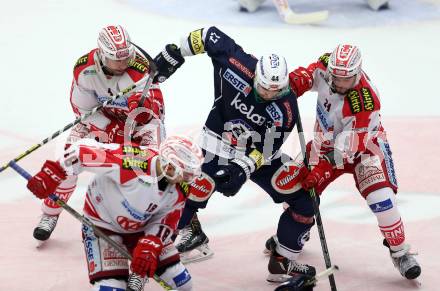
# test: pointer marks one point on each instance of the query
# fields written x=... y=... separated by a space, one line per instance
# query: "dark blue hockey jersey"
x=239 y=118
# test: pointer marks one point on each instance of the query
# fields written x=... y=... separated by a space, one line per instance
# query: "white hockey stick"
x=291 y=17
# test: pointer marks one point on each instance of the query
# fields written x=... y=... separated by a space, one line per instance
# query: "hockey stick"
x=294 y=284
x=326 y=273
x=84 y=220
x=81 y=118
x=319 y=225
x=291 y=17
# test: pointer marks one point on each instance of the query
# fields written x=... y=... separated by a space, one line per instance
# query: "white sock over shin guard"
x=383 y=204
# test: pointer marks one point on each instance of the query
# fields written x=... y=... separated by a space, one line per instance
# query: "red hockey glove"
x=145 y=256
x=151 y=108
x=47 y=180
x=322 y=172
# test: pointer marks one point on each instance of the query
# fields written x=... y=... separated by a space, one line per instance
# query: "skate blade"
x=267 y=252
x=39 y=243
x=277 y=278
x=201 y=253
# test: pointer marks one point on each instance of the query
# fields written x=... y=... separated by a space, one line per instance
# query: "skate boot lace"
x=187 y=234
x=295 y=266
x=48 y=222
x=403 y=252
x=135 y=282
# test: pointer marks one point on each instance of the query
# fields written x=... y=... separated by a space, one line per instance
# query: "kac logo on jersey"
x=275 y=113
x=237 y=82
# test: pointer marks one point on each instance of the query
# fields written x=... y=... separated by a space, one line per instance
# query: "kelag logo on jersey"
x=275 y=113
x=237 y=82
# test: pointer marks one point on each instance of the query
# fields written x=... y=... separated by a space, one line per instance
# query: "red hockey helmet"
x=184 y=155
x=114 y=43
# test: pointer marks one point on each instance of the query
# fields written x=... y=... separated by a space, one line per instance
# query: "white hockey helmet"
x=184 y=155
x=345 y=61
x=114 y=43
x=272 y=74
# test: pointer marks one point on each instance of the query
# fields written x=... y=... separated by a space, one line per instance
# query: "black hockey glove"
x=229 y=179
x=297 y=283
x=167 y=61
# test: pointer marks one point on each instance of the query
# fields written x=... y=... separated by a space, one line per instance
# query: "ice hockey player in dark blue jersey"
x=253 y=112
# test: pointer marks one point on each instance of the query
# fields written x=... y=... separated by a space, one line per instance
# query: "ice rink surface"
x=42 y=40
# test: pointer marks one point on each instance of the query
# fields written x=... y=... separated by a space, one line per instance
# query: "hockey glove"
x=47 y=180
x=321 y=173
x=168 y=61
x=297 y=283
x=146 y=255
x=151 y=107
x=229 y=179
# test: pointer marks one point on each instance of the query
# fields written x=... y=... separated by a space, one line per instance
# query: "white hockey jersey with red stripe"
x=91 y=87
x=343 y=122
x=124 y=196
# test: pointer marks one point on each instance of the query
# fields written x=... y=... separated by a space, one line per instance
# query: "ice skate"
x=405 y=262
x=270 y=245
x=282 y=269
x=45 y=228
x=193 y=244
x=378 y=4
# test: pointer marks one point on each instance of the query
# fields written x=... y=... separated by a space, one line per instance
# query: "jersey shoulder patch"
x=362 y=99
x=82 y=63
x=139 y=64
x=138 y=68
x=324 y=59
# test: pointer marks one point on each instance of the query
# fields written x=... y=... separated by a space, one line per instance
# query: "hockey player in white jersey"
x=98 y=75
x=349 y=139
x=136 y=198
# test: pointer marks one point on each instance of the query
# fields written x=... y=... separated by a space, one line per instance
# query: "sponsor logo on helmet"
x=237 y=82
x=274 y=61
x=196 y=42
x=248 y=112
x=242 y=67
x=122 y=54
x=368 y=99
x=275 y=113
x=354 y=101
